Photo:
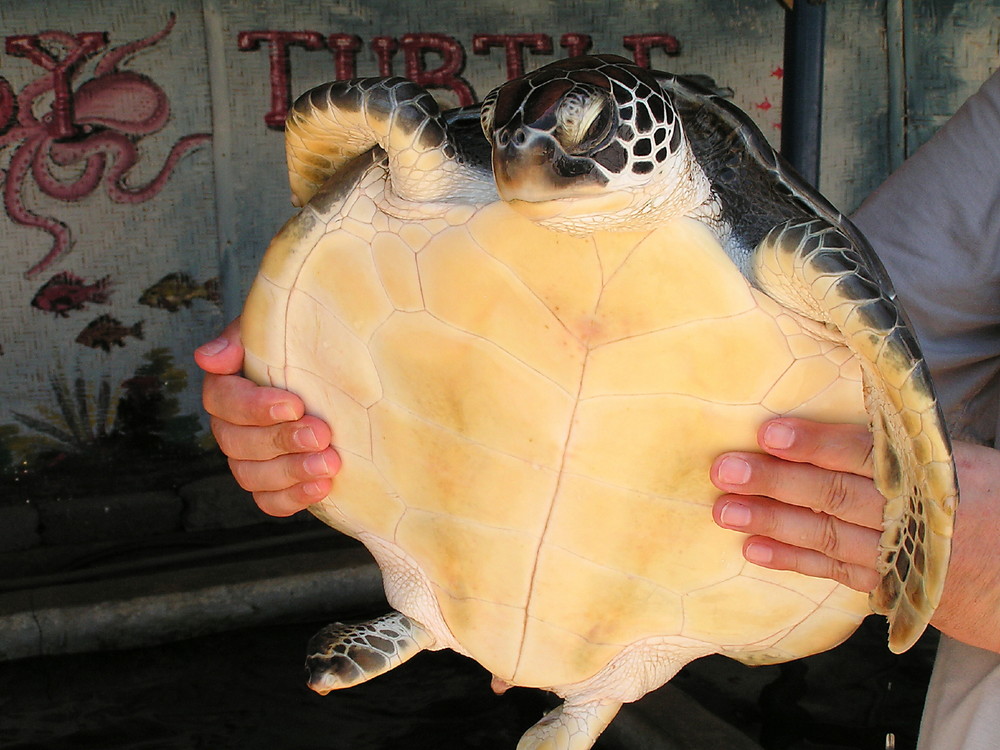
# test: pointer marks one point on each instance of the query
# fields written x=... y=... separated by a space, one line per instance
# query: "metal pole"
x=802 y=89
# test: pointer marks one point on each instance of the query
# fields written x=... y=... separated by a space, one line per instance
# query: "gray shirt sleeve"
x=936 y=225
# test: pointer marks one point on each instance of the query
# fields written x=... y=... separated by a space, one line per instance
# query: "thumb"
x=224 y=354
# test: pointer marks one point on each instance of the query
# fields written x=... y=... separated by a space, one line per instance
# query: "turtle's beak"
x=530 y=165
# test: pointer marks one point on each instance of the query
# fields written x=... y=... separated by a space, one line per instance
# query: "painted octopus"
x=92 y=130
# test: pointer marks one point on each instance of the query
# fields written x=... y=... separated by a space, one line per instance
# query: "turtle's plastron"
x=529 y=368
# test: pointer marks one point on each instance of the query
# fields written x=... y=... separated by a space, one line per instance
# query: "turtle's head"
x=591 y=143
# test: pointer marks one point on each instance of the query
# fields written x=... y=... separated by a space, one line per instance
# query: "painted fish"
x=105 y=331
x=66 y=291
x=179 y=289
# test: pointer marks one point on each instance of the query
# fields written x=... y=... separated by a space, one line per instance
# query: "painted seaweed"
x=95 y=438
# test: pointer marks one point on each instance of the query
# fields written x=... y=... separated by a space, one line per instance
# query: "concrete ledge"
x=164 y=606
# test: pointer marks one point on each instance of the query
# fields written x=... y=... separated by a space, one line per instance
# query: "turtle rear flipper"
x=331 y=124
x=341 y=656
x=821 y=272
x=570 y=726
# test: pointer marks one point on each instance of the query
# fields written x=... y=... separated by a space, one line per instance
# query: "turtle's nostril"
x=519 y=137
x=502 y=138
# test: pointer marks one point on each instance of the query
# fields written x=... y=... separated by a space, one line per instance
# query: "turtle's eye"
x=584 y=121
x=486 y=110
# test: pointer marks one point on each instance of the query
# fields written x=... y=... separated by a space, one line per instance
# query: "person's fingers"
x=839 y=447
x=251 y=443
x=284 y=471
x=274 y=451
x=849 y=497
x=769 y=553
x=239 y=401
x=291 y=500
x=233 y=398
x=799 y=527
x=222 y=355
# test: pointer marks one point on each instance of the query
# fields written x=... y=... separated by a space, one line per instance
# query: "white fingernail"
x=734 y=470
x=316 y=465
x=735 y=515
x=213 y=347
x=778 y=436
x=305 y=438
x=282 y=413
x=760 y=554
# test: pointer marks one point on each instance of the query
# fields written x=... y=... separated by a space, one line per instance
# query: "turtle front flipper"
x=342 y=656
x=821 y=272
x=570 y=726
x=331 y=124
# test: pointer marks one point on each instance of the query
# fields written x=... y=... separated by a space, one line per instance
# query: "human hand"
x=275 y=450
x=810 y=505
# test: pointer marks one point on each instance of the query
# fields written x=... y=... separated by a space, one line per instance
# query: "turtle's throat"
x=578 y=213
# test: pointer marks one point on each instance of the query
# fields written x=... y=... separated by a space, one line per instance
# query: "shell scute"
x=290 y=248
x=365 y=502
x=396 y=265
x=633 y=299
x=562 y=600
x=498 y=307
x=724 y=612
x=643 y=463
x=742 y=370
x=516 y=410
x=566 y=276
x=798 y=385
x=613 y=545
x=415 y=236
x=341 y=277
x=448 y=469
x=445 y=543
x=337 y=352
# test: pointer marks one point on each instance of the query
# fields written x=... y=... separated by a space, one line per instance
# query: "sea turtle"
x=532 y=345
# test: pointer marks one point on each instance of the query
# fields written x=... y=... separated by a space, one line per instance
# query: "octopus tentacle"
x=19 y=213
x=6 y=104
x=26 y=98
x=17 y=134
x=120 y=193
x=109 y=63
x=66 y=154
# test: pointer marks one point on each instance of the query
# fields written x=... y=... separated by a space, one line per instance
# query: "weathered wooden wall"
x=112 y=271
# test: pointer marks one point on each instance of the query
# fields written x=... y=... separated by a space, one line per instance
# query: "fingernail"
x=313 y=489
x=735 y=515
x=316 y=465
x=304 y=437
x=213 y=347
x=779 y=436
x=734 y=470
x=282 y=413
x=758 y=553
